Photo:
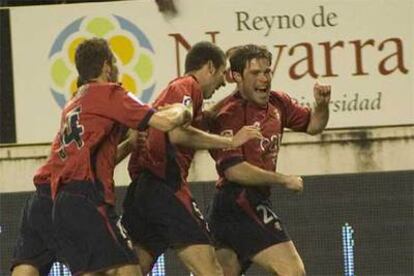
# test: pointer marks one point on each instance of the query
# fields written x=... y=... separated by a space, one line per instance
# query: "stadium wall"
x=333 y=152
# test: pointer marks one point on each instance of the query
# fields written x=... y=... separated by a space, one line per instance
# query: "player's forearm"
x=126 y=146
x=319 y=119
x=170 y=117
x=123 y=150
x=250 y=175
x=194 y=138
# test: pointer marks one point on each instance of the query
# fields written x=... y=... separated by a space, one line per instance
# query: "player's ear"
x=236 y=76
x=106 y=68
x=229 y=76
x=211 y=68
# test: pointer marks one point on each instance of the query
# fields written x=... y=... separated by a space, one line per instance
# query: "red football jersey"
x=162 y=158
x=281 y=112
x=92 y=125
x=43 y=174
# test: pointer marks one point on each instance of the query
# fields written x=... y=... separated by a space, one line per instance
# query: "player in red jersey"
x=35 y=250
x=82 y=162
x=243 y=224
x=159 y=210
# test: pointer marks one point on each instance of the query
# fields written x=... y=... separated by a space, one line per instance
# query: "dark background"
x=378 y=206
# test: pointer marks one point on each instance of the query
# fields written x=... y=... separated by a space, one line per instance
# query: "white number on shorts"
x=199 y=215
x=268 y=216
x=196 y=210
x=124 y=232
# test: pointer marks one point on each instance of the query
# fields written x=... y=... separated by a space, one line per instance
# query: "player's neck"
x=195 y=75
x=100 y=79
x=248 y=100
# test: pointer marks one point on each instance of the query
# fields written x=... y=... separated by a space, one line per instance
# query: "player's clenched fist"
x=245 y=134
x=294 y=183
x=322 y=93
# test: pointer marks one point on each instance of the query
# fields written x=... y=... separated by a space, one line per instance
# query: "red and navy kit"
x=163 y=159
x=159 y=211
x=92 y=124
x=84 y=219
x=239 y=211
x=281 y=112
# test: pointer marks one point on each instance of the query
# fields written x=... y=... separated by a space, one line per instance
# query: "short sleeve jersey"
x=92 y=124
x=162 y=158
x=281 y=112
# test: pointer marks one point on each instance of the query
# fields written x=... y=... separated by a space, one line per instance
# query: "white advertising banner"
x=363 y=48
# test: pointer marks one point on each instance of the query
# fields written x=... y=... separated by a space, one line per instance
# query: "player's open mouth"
x=219 y=86
x=262 y=90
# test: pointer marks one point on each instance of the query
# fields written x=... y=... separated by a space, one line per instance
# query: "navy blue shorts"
x=157 y=219
x=36 y=244
x=88 y=232
x=241 y=219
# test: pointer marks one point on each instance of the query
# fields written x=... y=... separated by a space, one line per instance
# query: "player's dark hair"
x=90 y=57
x=201 y=53
x=243 y=54
x=80 y=82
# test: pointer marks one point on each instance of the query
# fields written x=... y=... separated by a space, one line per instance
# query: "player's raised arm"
x=320 y=112
x=127 y=145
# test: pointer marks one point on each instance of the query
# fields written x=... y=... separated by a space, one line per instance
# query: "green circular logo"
x=130 y=45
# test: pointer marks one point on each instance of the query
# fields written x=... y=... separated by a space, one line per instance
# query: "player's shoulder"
x=104 y=92
x=279 y=97
x=106 y=86
x=184 y=82
x=231 y=107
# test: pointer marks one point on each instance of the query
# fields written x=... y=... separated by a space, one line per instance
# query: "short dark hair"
x=243 y=54
x=201 y=53
x=80 y=82
x=90 y=57
x=230 y=51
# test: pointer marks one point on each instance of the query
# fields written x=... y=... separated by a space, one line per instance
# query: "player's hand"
x=245 y=134
x=180 y=114
x=139 y=139
x=294 y=183
x=187 y=117
x=322 y=93
x=132 y=138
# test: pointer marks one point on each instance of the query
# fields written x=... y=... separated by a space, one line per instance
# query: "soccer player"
x=159 y=210
x=82 y=162
x=35 y=250
x=244 y=226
